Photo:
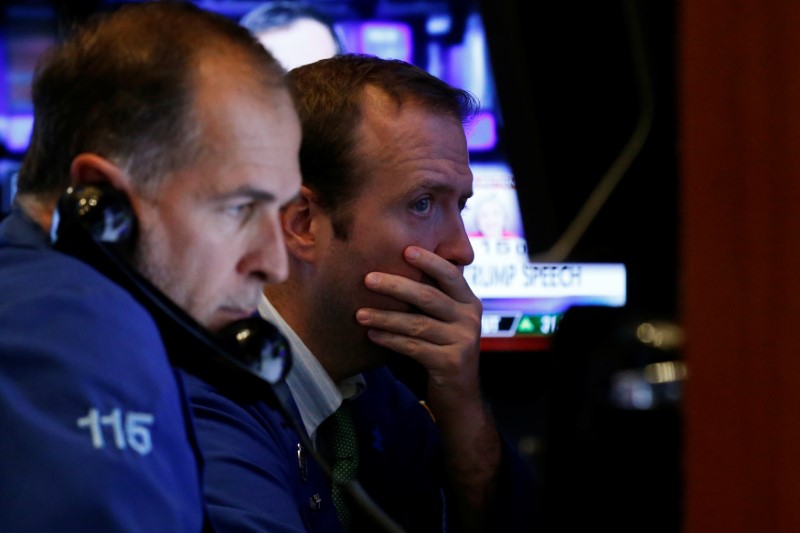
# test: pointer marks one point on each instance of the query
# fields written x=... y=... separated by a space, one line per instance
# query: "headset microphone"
x=95 y=223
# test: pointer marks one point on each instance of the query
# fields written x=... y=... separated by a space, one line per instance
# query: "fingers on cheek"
x=364 y=317
x=382 y=320
x=382 y=283
x=383 y=338
x=372 y=280
x=388 y=285
x=398 y=343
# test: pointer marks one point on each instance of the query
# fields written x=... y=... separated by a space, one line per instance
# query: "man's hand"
x=444 y=336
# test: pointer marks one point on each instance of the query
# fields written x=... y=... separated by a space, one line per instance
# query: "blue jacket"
x=256 y=481
x=96 y=435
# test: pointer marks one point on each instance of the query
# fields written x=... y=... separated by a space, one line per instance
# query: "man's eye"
x=239 y=210
x=422 y=205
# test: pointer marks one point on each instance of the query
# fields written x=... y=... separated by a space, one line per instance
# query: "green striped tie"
x=344 y=459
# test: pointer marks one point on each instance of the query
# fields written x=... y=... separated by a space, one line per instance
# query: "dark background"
x=576 y=78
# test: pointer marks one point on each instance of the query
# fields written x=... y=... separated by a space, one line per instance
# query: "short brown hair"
x=328 y=95
x=122 y=87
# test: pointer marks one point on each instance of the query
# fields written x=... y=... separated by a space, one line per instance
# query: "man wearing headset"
x=184 y=113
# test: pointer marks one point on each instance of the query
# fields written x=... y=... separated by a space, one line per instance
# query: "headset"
x=95 y=223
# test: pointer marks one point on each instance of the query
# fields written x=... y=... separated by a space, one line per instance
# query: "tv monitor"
x=524 y=301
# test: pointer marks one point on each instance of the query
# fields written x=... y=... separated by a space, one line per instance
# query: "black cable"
x=566 y=243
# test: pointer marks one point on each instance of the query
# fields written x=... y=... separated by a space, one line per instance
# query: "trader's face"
x=210 y=235
x=415 y=182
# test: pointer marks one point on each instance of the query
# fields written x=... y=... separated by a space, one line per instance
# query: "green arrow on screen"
x=526 y=325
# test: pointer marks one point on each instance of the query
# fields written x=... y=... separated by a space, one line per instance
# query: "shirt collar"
x=315 y=394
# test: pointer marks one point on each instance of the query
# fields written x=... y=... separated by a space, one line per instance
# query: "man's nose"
x=455 y=245
x=268 y=259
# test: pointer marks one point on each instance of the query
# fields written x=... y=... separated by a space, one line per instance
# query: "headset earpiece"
x=102 y=210
x=259 y=345
x=96 y=223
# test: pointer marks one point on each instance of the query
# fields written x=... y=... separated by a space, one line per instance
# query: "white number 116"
x=134 y=432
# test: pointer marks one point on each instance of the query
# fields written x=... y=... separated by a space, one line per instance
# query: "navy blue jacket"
x=94 y=421
x=255 y=481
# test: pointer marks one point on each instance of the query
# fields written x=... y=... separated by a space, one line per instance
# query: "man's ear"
x=92 y=168
x=304 y=223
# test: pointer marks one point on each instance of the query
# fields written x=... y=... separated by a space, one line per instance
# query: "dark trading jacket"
x=256 y=481
x=94 y=432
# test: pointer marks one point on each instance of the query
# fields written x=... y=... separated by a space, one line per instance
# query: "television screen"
x=523 y=301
